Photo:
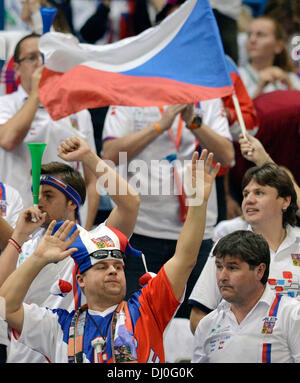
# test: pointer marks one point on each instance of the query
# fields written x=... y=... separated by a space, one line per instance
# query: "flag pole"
x=239 y=114
x=240 y=117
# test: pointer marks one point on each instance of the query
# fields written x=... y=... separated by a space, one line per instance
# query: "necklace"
x=97 y=327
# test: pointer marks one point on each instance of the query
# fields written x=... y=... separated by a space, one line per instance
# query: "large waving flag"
x=181 y=60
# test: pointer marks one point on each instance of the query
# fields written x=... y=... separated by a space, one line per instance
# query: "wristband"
x=157 y=128
x=15 y=245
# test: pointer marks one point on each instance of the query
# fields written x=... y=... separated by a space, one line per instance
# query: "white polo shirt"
x=15 y=166
x=270 y=333
x=284 y=275
x=151 y=174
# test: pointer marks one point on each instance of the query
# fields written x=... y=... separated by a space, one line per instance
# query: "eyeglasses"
x=33 y=58
x=103 y=254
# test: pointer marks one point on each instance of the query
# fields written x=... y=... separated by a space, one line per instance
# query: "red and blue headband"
x=62 y=186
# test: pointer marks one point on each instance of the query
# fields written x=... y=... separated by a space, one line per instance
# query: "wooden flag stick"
x=240 y=117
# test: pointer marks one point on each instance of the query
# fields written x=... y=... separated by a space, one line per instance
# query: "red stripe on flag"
x=82 y=87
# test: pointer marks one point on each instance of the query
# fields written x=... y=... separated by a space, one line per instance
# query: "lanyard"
x=177 y=178
x=76 y=335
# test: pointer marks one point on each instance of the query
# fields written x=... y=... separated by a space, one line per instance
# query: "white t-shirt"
x=11 y=204
x=284 y=274
x=265 y=335
x=250 y=79
x=43 y=129
x=151 y=174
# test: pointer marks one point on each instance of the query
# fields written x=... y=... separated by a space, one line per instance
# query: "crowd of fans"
x=202 y=273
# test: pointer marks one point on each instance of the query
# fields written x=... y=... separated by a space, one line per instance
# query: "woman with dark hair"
x=269 y=66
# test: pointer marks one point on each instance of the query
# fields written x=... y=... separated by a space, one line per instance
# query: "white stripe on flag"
x=63 y=52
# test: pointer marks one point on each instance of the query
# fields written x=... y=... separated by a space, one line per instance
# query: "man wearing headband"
x=68 y=182
x=108 y=329
x=61 y=192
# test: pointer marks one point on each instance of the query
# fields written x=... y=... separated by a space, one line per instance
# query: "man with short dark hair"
x=73 y=187
x=252 y=324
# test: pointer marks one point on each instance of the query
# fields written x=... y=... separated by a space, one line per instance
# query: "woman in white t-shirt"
x=269 y=66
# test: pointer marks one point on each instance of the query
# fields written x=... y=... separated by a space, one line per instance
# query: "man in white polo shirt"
x=269 y=206
x=252 y=324
x=23 y=119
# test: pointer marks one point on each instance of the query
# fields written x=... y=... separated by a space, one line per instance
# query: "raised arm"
x=92 y=197
x=179 y=267
x=5 y=233
x=52 y=248
x=124 y=215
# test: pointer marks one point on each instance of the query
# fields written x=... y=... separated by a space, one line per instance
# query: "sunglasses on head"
x=103 y=254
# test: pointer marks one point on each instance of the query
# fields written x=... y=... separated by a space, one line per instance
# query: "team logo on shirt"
x=104 y=241
x=296 y=259
x=288 y=284
x=113 y=110
x=269 y=323
x=218 y=343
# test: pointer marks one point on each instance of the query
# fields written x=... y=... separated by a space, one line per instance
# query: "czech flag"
x=181 y=60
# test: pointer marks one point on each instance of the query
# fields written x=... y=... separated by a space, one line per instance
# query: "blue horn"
x=48 y=14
